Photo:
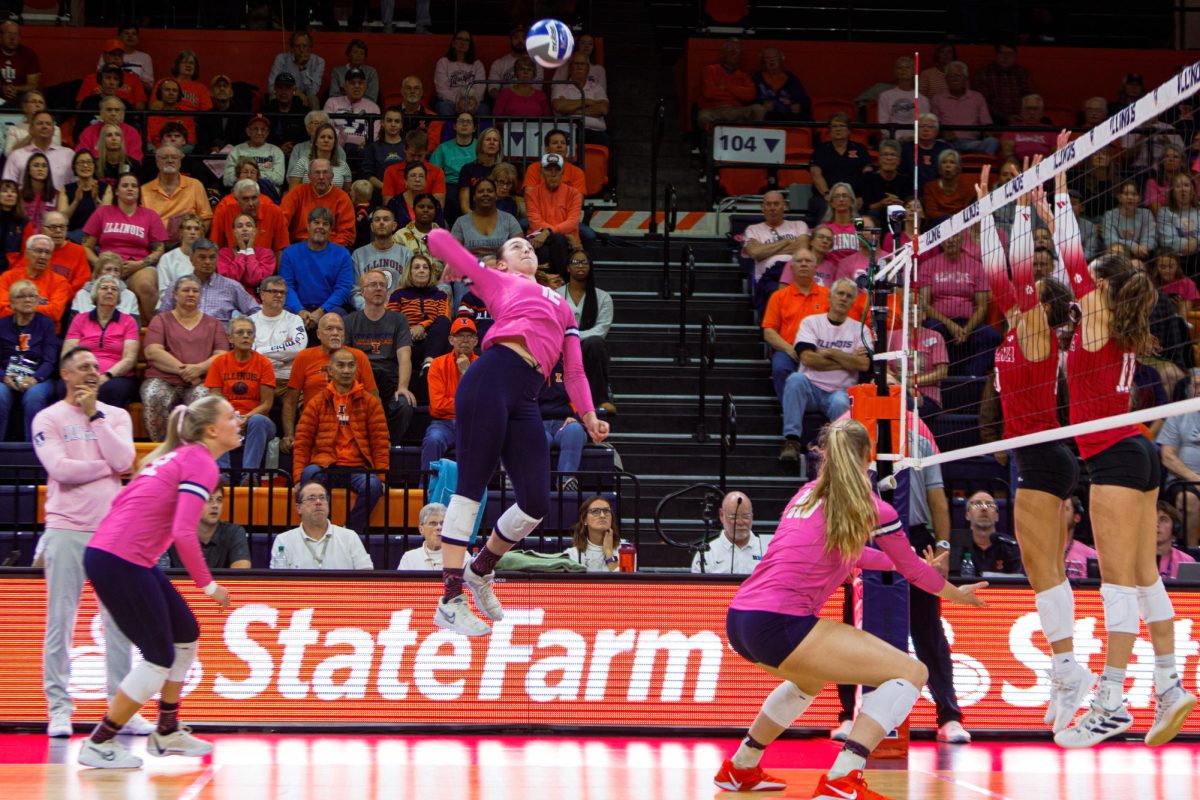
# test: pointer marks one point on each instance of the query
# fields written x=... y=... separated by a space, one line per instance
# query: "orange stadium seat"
x=1061 y=116
x=823 y=107
x=742 y=181
x=595 y=165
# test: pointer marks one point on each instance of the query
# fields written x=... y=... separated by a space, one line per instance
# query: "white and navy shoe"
x=1067 y=696
x=1094 y=727
x=178 y=742
x=481 y=588
x=138 y=726
x=456 y=615
x=107 y=755
x=1171 y=709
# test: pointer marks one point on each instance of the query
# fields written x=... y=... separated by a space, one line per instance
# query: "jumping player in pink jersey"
x=1116 y=298
x=772 y=620
x=1027 y=382
x=499 y=420
x=161 y=506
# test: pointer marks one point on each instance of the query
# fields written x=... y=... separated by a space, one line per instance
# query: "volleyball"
x=549 y=43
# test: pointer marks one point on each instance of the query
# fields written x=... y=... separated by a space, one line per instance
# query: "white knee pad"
x=1056 y=610
x=1120 y=608
x=1154 y=604
x=891 y=703
x=460 y=520
x=144 y=681
x=514 y=524
x=785 y=705
x=185 y=654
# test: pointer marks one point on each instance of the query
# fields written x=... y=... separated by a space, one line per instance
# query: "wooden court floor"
x=365 y=767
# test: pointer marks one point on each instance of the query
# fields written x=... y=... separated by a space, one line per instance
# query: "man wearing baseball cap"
x=271 y=161
x=216 y=131
x=352 y=132
x=285 y=110
x=136 y=61
x=555 y=211
x=131 y=90
x=444 y=374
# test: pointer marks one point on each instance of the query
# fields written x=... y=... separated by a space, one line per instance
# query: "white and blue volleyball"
x=549 y=43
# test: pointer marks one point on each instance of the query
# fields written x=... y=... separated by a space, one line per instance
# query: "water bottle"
x=628 y=557
x=967 y=568
x=281 y=551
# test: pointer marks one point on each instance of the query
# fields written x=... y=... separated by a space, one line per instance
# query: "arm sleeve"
x=190 y=500
x=358 y=554
x=49 y=347
x=992 y=253
x=444 y=246
x=1168 y=239
x=50 y=450
x=341 y=290
x=573 y=376
x=239 y=545
x=1021 y=253
x=604 y=316
x=278 y=171
x=895 y=546
x=441 y=80
x=874 y=559
x=441 y=402
x=114 y=436
x=1151 y=235
x=292 y=303
x=1070 y=249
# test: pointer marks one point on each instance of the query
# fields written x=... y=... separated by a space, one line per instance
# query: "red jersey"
x=1099 y=384
x=1028 y=389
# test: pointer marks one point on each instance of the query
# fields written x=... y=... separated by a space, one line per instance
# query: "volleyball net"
x=994 y=282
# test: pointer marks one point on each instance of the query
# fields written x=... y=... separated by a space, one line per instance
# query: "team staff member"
x=84 y=446
x=162 y=503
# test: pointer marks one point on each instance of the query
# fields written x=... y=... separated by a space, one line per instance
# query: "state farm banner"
x=570 y=652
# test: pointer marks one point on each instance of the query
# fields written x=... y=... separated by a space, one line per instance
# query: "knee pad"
x=185 y=654
x=460 y=520
x=1056 y=610
x=144 y=681
x=785 y=705
x=890 y=703
x=1120 y=608
x=1153 y=603
x=514 y=524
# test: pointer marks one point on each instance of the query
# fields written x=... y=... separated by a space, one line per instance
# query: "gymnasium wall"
x=593 y=652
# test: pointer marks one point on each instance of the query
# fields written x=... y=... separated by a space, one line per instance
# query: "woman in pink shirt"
x=113 y=337
x=499 y=420
x=954 y=297
x=161 y=506
x=244 y=262
x=522 y=99
x=133 y=232
x=773 y=621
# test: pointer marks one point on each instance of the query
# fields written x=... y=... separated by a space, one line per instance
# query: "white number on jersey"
x=796 y=511
x=152 y=468
x=551 y=295
x=1128 y=368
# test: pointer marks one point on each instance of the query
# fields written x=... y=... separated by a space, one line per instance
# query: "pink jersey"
x=83 y=460
x=523 y=308
x=797 y=576
x=161 y=507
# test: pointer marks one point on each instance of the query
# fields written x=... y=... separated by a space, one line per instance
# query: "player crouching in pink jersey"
x=773 y=622
x=161 y=506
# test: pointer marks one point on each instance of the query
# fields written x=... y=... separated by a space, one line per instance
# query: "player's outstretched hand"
x=967 y=596
x=221 y=596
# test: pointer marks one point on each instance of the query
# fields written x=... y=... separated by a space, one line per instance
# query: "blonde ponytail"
x=845 y=489
x=186 y=425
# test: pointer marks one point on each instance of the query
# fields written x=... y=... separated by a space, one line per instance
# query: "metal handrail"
x=658 y=127
x=687 y=286
x=711 y=501
x=708 y=360
x=670 y=213
x=728 y=434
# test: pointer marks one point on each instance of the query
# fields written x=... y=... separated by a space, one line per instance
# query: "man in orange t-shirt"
x=786 y=309
x=246 y=379
x=319 y=191
x=310 y=372
x=416 y=145
x=444 y=374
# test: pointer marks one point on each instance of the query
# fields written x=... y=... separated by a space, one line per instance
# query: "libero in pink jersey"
x=772 y=620
x=161 y=506
x=798 y=574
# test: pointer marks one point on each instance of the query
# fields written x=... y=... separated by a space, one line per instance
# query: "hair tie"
x=182 y=418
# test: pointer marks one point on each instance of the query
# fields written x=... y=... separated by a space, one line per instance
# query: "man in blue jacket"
x=319 y=273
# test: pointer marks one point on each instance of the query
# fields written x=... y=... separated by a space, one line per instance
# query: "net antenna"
x=1138 y=125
